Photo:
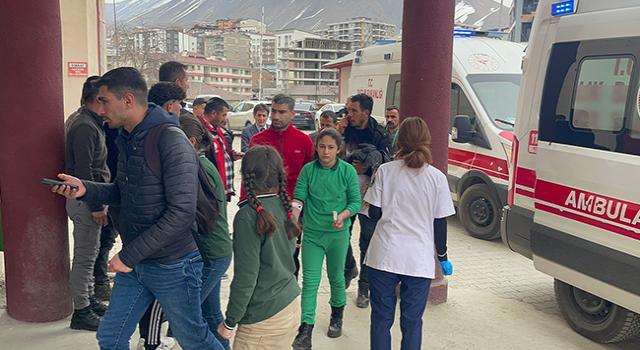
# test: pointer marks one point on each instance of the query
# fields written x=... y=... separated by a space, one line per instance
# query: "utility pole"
x=115 y=35
x=261 y=53
x=500 y=16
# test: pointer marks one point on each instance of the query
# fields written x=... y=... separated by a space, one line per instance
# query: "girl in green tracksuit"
x=328 y=190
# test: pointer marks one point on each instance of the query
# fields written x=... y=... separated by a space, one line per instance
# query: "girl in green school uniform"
x=264 y=300
x=328 y=190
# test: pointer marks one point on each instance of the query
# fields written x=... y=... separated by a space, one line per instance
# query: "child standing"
x=328 y=190
x=264 y=292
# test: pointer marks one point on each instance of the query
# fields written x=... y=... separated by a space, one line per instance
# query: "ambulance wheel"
x=594 y=317
x=479 y=212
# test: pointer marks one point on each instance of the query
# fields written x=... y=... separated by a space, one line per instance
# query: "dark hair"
x=172 y=71
x=199 y=101
x=125 y=80
x=413 y=142
x=262 y=170
x=392 y=108
x=333 y=133
x=193 y=127
x=89 y=90
x=215 y=104
x=260 y=107
x=284 y=99
x=366 y=102
x=164 y=91
x=329 y=114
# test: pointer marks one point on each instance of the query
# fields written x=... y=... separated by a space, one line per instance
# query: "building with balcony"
x=217 y=73
x=233 y=47
x=360 y=31
x=268 y=50
x=301 y=62
x=522 y=13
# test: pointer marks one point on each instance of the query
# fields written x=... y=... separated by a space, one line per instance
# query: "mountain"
x=301 y=14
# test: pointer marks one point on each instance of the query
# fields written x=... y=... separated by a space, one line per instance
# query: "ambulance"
x=484 y=92
x=574 y=193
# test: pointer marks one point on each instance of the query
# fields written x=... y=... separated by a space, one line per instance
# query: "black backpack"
x=207 y=207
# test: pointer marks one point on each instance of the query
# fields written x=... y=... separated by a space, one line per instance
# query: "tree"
x=142 y=49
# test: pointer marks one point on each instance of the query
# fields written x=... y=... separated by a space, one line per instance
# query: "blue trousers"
x=211 y=311
x=176 y=284
x=414 y=292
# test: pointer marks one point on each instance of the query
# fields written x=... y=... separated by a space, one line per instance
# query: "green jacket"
x=217 y=245
x=324 y=191
x=263 y=280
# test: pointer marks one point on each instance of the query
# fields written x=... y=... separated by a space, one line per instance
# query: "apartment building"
x=301 y=62
x=234 y=47
x=360 y=31
x=268 y=50
x=217 y=73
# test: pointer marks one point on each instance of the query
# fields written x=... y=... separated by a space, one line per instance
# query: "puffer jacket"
x=155 y=216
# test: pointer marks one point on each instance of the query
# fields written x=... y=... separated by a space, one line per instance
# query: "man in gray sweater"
x=86 y=159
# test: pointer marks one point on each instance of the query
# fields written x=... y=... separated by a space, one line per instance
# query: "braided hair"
x=262 y=170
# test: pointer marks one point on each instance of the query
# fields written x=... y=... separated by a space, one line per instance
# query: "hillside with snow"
x=302 y=14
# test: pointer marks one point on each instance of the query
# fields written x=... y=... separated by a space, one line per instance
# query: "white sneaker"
x=165 y=344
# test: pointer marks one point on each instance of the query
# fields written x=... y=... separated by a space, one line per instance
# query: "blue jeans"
x=414 y=292
x=210 y=295
x=176 y=284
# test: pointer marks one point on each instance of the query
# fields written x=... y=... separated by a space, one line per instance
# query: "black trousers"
x=367 y=228
x=350 y=264
x=107 y=240
x=150 y=326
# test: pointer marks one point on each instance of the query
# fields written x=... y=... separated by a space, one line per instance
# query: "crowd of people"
x=161 y=177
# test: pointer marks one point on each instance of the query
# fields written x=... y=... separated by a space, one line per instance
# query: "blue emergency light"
x=563 y=8
x=460 y=32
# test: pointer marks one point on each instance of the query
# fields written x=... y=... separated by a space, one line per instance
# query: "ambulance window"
x=601 y=94
x=590 y=95
x=460 y=105
x=396 y=94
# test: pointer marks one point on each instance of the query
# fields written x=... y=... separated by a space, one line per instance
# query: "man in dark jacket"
x=86 y=158
x=175 y=72
x=362 y=132
x=159 y=258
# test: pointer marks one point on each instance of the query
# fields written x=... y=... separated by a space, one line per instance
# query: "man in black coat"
x=159 y=258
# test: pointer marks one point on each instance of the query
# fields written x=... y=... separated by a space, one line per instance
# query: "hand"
x=224 y=332
x=447 y=267
x=237 y=155
x=116 y=265
x=343 y=124
x=68 y=191
x=359 y=167
x=101 y=218
x=338 y=224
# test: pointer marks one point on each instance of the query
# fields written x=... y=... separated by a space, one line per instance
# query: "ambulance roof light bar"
x=563 y=8
x=489 y=34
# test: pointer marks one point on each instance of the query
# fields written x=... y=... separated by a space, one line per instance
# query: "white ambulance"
x=484 y=89
x=574 y=198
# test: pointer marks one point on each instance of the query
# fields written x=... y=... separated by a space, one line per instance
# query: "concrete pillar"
x=427 y=49
x=34 y=220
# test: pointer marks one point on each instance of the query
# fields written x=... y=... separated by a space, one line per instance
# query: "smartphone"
x=50 y=182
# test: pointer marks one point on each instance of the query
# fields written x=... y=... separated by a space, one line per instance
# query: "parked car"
x=304 y=117
x=334 y=107
x=241 y=115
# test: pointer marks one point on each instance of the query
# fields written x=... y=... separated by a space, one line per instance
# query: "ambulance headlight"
x=507 y=150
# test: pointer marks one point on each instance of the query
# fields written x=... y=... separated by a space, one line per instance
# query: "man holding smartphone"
x=86 y=159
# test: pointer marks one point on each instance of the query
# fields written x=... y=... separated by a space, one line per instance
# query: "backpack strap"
x=151 y=151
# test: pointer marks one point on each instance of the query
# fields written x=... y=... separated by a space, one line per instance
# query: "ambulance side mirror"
x=461 y=131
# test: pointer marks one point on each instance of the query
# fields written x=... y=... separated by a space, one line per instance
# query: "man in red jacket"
x=294 y=146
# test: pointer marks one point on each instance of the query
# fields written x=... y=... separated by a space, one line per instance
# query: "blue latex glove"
x=447 y=268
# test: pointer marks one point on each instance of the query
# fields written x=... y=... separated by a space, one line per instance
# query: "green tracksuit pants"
x=315 y=245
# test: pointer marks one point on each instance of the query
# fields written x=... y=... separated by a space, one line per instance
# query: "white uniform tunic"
x=410 y=199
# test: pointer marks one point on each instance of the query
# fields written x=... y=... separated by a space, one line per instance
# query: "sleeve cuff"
x=227 y=326
x=443 y=257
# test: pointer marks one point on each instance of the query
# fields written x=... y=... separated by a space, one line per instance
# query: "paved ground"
x=496 y=301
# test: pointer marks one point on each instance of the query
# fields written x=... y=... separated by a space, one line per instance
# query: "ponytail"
x=413 y=141
x=290 y=225
x=265 y=223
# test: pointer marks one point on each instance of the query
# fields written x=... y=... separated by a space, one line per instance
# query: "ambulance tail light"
x=513 y=160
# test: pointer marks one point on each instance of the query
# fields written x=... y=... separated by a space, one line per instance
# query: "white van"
x=484 y=88
x=574 y=199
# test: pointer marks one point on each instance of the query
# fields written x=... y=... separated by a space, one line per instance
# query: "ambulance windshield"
x=498 y=94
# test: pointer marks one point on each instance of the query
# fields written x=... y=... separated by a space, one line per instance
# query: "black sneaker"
x=102 y=292
x=363 y=298
x=98 y=307
x=85 y=319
